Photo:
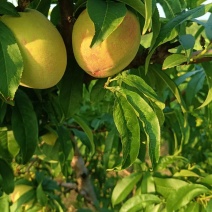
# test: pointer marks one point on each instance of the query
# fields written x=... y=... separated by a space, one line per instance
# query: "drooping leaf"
x=124 y=187
x=207 y=67
x=11 y=63
x=149 y=121
x=172 y=86
x=177 y=199
x=107 y=16
x=194 y=85
x=148 y=15
x=25 y=127
x=7 y=8
x=65 y=141
x=138 y=202
x=141 y=86
x=7 y=177
x=70 y=91
x=87 y=131
x=128 y=127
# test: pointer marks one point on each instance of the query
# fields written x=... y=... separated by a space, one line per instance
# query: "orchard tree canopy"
x=105 y=105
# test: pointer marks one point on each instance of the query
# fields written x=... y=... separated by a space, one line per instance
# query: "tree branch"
x=84 y=187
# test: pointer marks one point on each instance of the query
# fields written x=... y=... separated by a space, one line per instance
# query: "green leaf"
x=98 y=91
x=172 y=86
x=138 y=202
x=184 y=16
x=141 y=86
x=149 y=121
x=166 y=186
x=25 y=127
x=148 y=16
x=41 y=196
x=4 y=203
x=171 y=8
x=70 y=91
x=87 y=131
x=128 y=127
x=193 y=207
x=4 y=150
x=174 y=60
x=42 y=6
x=147 y=184
x=184 y=195
x=124 y=187
x=168 y=28
x=6 y=173
x=187 y=42
x=194 y=85
x=65 y=141
x=7 y=8
x=11 y=63
x=23 y=199
x=107 y=16
x=137 y=5
x=185 y=173
x=207 y=68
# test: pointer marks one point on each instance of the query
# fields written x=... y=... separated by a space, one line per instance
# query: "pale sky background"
x=161 y=12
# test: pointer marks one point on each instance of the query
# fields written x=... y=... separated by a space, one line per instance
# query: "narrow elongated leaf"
x=171 y=8
x=11 y=63
x=124 y=187
x=207 y=68
x=25 y=127
x=4 y=151
x=41 y=196
x=6 y=173
x=70 y=94
x=7 y=8
x=87 y=131
x=4 y=203
x=172 y=86
x=167 y=29
x=128 y=127
x=65 y=141
x=142 y=87
x=107 y=16
x=185 y=173
x=194 y=85
x=193 y=207
x=42 y=6
x=174 y=60
x=137 y=5
x=138 y=202
x=184 y=16
x=149 y=121
x=148 y=16
x=184 y=195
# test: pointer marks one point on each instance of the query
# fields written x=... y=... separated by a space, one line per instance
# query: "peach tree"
x=138 y=139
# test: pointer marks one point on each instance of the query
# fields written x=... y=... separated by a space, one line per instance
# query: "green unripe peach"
x=113 y=54
x=42 y=48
